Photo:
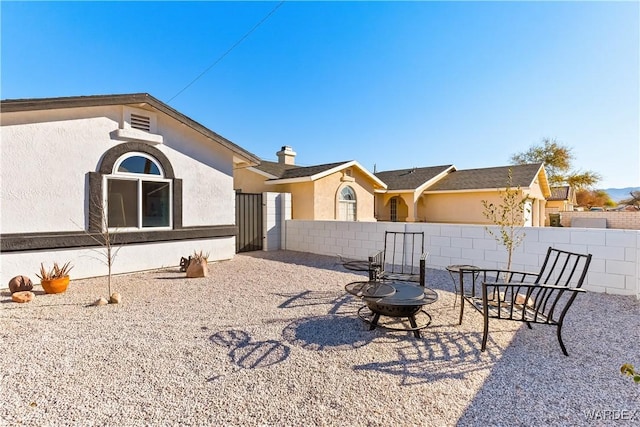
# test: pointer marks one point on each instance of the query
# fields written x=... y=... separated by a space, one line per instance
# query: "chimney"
x=286 y=156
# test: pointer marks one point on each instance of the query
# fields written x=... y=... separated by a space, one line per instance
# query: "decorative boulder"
x=22 y=296
x=115 y=298
x=101 y=301
x=19 y=284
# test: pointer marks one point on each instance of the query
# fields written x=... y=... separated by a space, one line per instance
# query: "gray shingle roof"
x=496 y=177
x=293 y=171
x=560 y=193
x=274 y=168
x=410 y=179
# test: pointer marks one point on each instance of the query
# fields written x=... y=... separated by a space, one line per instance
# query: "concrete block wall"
x=618 y=220
x=277 y=210
x=615 y=266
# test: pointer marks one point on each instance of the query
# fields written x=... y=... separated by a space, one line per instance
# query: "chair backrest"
x=402 y=251
x=563 y=268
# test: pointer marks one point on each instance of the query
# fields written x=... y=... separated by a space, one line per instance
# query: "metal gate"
x=249 y=222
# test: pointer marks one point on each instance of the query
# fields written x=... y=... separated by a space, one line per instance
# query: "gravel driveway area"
x=273 y=339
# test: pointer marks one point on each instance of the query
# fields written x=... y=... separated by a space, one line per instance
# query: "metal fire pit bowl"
x=393 y=299
x=407 y=300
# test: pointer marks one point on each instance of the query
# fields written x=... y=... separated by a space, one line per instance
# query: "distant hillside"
x=618 y=194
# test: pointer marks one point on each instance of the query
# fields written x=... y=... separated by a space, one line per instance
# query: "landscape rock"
x=101 y=301
x=20 y=283
x=23 y=296
x=115 y=298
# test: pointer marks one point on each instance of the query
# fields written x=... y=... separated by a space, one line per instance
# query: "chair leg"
x=414 y=325
x=529 y=325
x=461 y=310
x=564 y=349
x=374 y=321
x=485 y=333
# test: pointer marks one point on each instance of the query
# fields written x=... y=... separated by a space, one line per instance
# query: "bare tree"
x=634 y=200
x=100 y=233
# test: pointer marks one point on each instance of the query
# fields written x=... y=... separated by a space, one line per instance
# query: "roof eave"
x=240 y=155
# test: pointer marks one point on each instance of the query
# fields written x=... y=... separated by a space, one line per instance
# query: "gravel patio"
x=271 y=338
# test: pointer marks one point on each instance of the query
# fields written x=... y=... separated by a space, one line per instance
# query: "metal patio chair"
x=402 y=258
x=543 y=297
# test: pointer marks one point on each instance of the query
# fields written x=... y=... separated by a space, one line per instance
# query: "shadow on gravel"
x=534 y=377
x=325 y=262
x=315 y=298
x=251 y=355
x=437 y=356
x=327 y=332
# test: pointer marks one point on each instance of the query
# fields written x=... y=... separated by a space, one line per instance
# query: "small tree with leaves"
x=557 y=159
x=508 y=215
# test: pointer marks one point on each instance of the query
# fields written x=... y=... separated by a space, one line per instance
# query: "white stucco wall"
x=44 y=164
x=206 y=169
x=46 y=156
x=131 y=258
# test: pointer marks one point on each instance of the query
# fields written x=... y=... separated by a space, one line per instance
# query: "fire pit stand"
x=393 y=298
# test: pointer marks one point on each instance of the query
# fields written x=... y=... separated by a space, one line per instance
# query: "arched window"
x=347 y=204
x=137 y=193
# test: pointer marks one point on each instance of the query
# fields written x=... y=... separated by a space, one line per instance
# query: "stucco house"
x=403 y=200
x=562 y=199
x=334 y=191
x=457 y=197
x=444 y=194
x=72 y=167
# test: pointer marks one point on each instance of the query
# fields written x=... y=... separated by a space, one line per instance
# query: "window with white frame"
x=138 y=196
x=347 y=204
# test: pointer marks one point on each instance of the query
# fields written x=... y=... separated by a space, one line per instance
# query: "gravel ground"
x=271 y=338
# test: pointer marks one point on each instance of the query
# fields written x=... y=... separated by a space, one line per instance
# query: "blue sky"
x=390 y=84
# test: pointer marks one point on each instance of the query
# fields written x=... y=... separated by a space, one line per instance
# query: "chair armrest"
x=376 y=266
x=470 y=289
x=541 y=300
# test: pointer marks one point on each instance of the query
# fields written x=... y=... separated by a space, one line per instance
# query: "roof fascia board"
x=261 y=172
x=435 y=179
x=328 y=172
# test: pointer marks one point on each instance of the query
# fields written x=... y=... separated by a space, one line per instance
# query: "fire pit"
x=393 y=299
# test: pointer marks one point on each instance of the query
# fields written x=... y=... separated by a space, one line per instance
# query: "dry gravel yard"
x=273 y=339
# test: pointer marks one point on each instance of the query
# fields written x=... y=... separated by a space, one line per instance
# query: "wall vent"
x=141 y=122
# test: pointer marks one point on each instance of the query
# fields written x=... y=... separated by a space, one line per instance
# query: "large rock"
x=115 y=298
x=19 y=284
x=101 y=301
x=22 y=296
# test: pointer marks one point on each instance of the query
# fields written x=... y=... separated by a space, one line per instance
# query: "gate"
x=249 y=222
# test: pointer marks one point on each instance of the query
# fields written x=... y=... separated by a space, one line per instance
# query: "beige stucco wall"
x=327 y=191
x=558 y=206
x=383 y=206
x=247 y=181
x=466 y=207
